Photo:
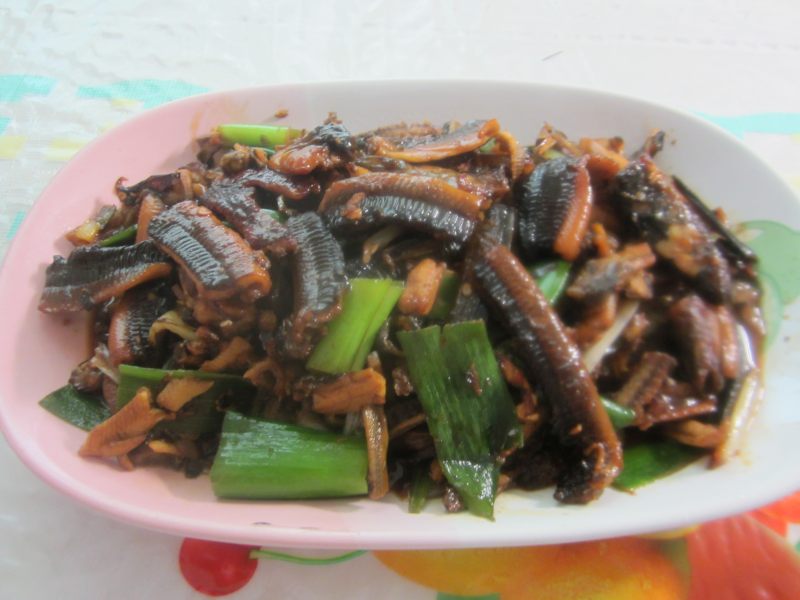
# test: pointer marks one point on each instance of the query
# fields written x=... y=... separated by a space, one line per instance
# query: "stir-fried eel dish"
x=442 y=312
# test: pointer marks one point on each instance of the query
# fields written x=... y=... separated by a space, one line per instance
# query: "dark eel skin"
x=131 y=319
x=593 y=451
x=232 y=201
x=470 y=136
x=216 y=258
x=318 y=273
x=93 y=274
x=425 y=203
x=665 y=218
x=322 y=148
x=554 y=203
x=501 y=223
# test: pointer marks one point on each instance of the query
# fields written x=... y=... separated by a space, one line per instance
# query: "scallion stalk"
x=267 y=460
x=594 y=354
x=119 y=237
x=132 y=378
x=352 y=333
x=621 y=416
x=264 y=136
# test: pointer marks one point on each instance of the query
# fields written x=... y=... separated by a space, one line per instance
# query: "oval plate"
x=37 y=352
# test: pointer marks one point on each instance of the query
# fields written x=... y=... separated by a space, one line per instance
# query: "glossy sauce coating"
x=92 y=274
x=471 y=136
x=216 y=258
x=555 y=363
x=234 y=201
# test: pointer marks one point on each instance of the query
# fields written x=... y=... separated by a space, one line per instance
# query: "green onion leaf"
x=551 y=276
x=200 y=415
x=446 y=298
x=647 y=462
x=420 y=488
x=469 y=410
x=76 y=408
x=267 y=460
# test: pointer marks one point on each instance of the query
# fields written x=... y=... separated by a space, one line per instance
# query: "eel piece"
x=594 y=453
x=216 y=258
x=318 y=273
x=93 y=274
x=233 y=201
x=131 y=320
x=470 y=136
x=425 y=203
x=662 y=214
x=554 y=204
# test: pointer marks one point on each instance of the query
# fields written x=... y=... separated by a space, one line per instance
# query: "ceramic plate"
x=38 y=351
